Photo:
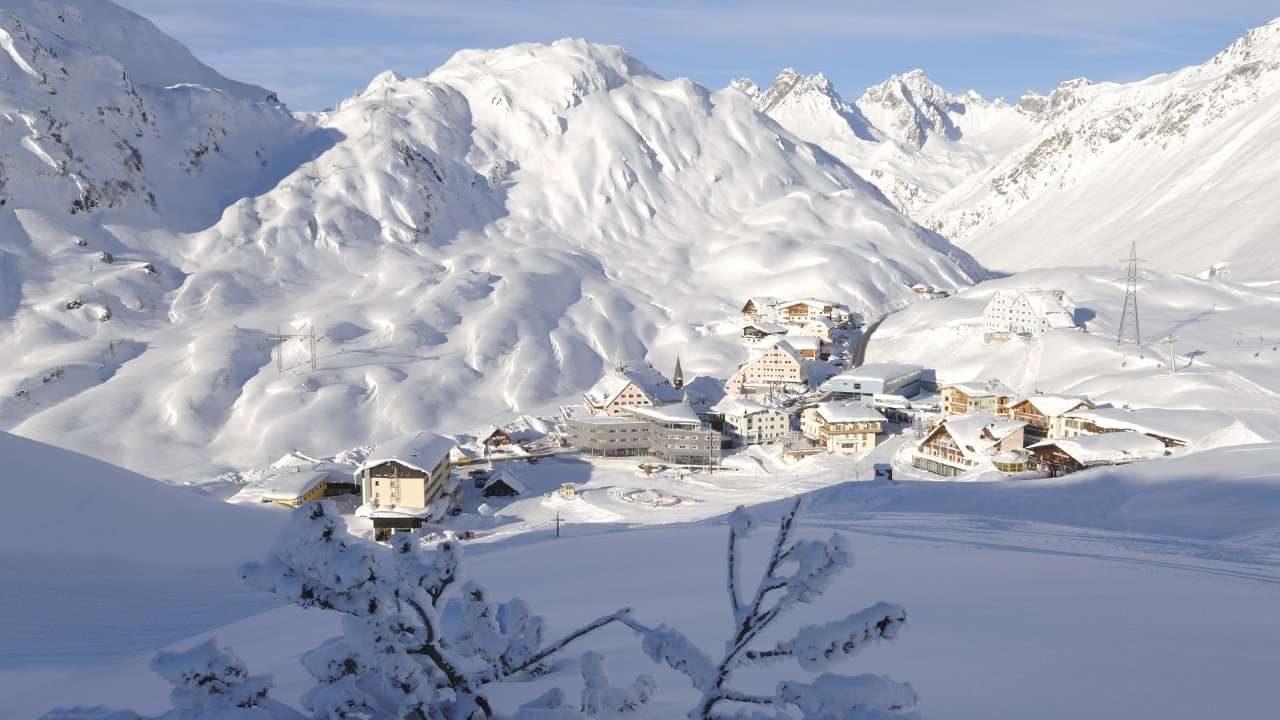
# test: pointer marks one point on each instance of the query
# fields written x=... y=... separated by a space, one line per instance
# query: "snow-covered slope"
x=1185 y=164
x=98 y=561
x=909 y=136
x=1124 y=554
x=1227 y=351
x=484 y=239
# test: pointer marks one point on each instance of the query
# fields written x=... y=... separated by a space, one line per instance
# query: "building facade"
x=1046 y=415
x=992 y=396
x=673 y=433
x=747 y=422
x=778 y=367
x=409 y=472
x=861 y=383
x=844 y=428
x=1031 y=313
x=962 y=443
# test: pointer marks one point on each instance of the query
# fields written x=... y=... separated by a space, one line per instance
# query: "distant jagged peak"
x=919 y=107
x=1261 y=43
x=1069 y=95
x=912 y=84
x=746 y=86
x=791 y=83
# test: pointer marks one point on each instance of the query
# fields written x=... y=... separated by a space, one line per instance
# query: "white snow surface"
x=1226 y=355
x=477 y=243
x=1117 y=557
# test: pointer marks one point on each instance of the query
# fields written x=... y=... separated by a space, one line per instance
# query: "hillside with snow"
x=1074 y=176
x=480 y=241
x=1184 y=164
x=1226 y=353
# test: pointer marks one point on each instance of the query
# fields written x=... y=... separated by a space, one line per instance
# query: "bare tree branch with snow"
x=797 y=572
x=408 y=649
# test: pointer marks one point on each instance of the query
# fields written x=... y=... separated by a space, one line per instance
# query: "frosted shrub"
x=409 y=649
x=209 y=683
x=797 y=572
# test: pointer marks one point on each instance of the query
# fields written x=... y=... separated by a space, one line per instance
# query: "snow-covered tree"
x=209 y=683
x=797 y=572
x=408 y=649
x=601 y=698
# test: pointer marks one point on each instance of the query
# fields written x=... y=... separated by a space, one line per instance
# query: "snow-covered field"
x=1143 y=590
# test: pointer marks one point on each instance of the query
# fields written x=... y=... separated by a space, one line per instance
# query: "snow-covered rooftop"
x=980 y=388
x=977 y=433
x=813 y=303
x=646 y=378
x=681 y=413
x=507 y=477
x=289 y=485
x=1185 y=425
x=805 y=342
x=881 y=371
x=766 y=327
x=851 y=411
x=420 y=451
x=1052 y=405
x=739 y=406
x=1108 y=448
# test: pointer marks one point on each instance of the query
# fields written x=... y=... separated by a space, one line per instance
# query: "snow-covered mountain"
x=1185 y=164
x=909 y=136
x=480 y=241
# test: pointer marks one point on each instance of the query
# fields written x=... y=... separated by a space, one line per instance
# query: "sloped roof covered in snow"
x=506 y=477
x=980 y=388
x=813 y=303
x=682 y=413
x=1052 y=305
x=739 y=405
x=1052 y=405
x=646 y=378
x=1107 y=448
x=1185 y=425
x=290 y=485
x=766 y=327
x=805 y=342
x=977 y=433
x=851 y=411
x=760 y=302
x=881 y=371
x=785 y=346
x=421 y=451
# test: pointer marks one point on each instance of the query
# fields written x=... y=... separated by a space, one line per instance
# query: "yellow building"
x=292 y=489
x=843 y=428
x=409 y=472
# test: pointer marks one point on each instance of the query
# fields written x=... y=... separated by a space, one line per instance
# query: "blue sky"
x=316 y=52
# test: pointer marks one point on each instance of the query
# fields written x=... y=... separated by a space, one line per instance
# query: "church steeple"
x=677 y=378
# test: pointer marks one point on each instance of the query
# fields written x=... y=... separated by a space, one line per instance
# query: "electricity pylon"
x=1130 y=329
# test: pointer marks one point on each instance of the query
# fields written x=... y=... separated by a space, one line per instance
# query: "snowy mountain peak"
x=913 y=108
x=746 y=86
x=791 y=84
x=1063 y=99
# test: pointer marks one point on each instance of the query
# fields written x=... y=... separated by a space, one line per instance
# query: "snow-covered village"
x=583 y=379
